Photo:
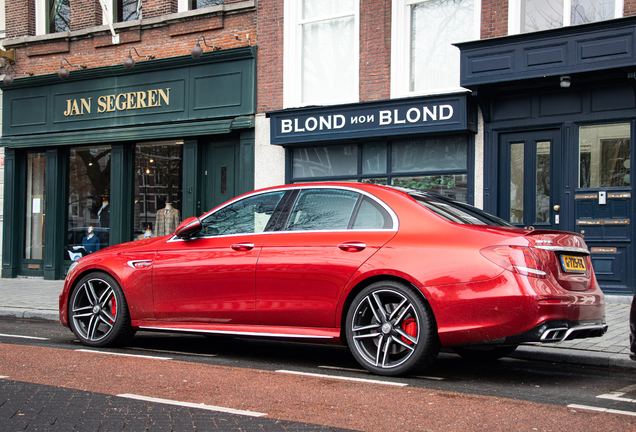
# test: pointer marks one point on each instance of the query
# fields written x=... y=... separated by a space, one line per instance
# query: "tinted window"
x=458 y=212
x=249 y=215
x=371 y=215
x=322 y=209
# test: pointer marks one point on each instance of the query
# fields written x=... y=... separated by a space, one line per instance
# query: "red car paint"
x=299 y=284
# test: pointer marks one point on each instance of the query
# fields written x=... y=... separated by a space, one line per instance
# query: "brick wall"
x=494 y=18
x=85 y=13
x=630 y=8
x=169 y=39
x=155 y=8
x=375 y=50
x=20 y=18
x=269 y=85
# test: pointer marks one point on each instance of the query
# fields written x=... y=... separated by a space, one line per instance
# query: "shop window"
x=424 y=61
x=438 y=165
x=88 y=200
x=321 y=52
x=158 y=188
x=36 y=180
x=536 y=15
x=604 y=156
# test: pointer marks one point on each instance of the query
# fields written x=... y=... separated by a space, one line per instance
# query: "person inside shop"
x=104 y=214
x=168 y=219
x=147 y=234
x=90 y=242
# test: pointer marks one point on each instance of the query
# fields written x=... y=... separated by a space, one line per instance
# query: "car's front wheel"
x=98 y=312
x=390 y=330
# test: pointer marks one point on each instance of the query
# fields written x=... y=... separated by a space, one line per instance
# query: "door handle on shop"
x=243 y=246
x=352 y=246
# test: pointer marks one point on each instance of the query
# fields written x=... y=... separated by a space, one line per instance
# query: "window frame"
x=514 y=14
x=292 y=55
x=401 y=49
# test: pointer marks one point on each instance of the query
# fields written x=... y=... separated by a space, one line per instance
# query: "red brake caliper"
x=410 y=327
x=113 y=307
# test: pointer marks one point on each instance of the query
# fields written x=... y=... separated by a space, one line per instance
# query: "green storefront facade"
x=96 y=159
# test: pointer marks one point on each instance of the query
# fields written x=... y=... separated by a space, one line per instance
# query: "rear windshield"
x=456 y=211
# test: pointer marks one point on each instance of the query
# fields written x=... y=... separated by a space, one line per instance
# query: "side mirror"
x=188 y=228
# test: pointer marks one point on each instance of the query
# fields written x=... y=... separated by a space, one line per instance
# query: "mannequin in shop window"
x=90 y=242
x=168 y=219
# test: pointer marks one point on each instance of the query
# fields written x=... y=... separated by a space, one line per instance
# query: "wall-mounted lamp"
x=247 y=38
x=63 y=72
x=9 y=73
x=129 y=62
x=565 y=81
x=197 y=51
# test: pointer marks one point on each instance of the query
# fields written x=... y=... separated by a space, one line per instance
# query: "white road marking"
x=343 y=369
x=343 y=378
x=124 y=355
x=617 y=394
x=3 y=377
x=172 y=352
x=193 y=405
x=23 y=337
x=598 y=409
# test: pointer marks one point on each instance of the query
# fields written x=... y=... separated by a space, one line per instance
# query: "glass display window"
x=36 y=182
x=605 y=155
x=158 y=190
x=88 y=200
x=438 y=165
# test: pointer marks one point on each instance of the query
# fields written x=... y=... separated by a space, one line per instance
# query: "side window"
x=372 y=215
x=249 y=215
x=322 y=209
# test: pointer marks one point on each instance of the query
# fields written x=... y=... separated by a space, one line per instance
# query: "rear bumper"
x=560 y=330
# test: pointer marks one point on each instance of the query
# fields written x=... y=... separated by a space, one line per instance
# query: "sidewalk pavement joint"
x=33 y=298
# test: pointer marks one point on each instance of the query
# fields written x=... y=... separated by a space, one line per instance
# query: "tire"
x=485 y=354
x=390 y=330
x=98 y=312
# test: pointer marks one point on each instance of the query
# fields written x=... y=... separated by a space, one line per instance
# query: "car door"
x=211 y=278
x=303 y=269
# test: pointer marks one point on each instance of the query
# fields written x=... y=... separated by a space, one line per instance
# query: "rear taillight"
x=517 y=259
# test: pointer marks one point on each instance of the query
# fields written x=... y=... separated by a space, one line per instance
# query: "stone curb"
x=574 y=356
x=37 y=314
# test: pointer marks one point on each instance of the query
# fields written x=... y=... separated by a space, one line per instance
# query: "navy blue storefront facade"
x=559 y=111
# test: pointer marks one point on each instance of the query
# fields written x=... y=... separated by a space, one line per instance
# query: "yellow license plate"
x=573 y=264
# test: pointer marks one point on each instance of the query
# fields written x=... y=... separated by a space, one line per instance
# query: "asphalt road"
x=51 y=382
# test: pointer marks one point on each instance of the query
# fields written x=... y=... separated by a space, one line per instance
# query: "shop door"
x=33 y=251
x=530 y=193
x=219 y=175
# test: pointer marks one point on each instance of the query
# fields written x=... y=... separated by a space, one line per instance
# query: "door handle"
x=242 y=246
x=557 y=207
x=352 y=246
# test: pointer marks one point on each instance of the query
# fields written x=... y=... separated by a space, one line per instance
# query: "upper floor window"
x=423 y=59
x=59 y=16
x=535 y=15
x=321 y=52
x=127 y=10
x=186 y=5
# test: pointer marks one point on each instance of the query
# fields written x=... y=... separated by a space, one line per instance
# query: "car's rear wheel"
x=98 y=312
x=484 y=354
x=390 y=330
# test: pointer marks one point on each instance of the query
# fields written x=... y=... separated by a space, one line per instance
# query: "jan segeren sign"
x=399 y=117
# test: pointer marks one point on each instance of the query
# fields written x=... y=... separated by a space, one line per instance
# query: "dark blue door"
x=530 y=193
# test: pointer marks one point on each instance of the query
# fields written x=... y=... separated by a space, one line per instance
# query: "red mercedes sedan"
x=395 y=274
